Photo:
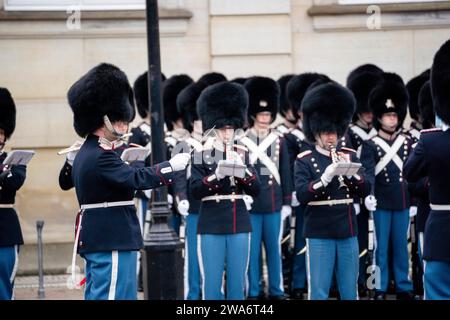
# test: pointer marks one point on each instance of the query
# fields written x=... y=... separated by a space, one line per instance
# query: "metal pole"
x=162 y=255
x=39 y=227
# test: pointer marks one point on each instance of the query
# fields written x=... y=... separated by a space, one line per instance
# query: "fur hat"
x=140 y=89
x=440 y=82
x=426 y=109
x=413 y=86
x=284 y=104
x=223 y=104
x=390 y=95
x=104 y=90
x=263 y=95
x=7 y=112
x=328 y=107
x=368 y=67
x=361 y=84
x=172 y=87
x=239 y=80
x=211 y=78
x=187 y=104
x=297 y=88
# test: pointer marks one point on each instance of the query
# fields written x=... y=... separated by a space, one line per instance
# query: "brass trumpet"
x=335 y=159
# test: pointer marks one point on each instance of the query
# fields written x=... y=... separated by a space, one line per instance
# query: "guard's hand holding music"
x=328 y=174
x=180 y=161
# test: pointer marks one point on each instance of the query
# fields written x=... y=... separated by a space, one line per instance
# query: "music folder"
x=19 y=157
x=135 y=154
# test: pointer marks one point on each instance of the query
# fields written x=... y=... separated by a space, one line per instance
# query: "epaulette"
x=304 y=154
x=348 y=149
x=238 y=146
x=430 y=130
x=414 y=145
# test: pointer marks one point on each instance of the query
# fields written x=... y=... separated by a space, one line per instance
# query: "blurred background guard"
x=414 y=86
x=224 y=223
x=289 y=121
x=361 y=81
x=383 y=157
x=430 y=159
x=187 y=108
x=330 y=225
x=108 y=233
x=270 y=157
x=11 y=179
x=175 y=133
x=297 y=143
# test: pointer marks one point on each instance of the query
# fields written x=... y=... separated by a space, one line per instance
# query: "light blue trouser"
x=437 y=280
x=215 y=251
x=267 y=229
x=192 y=269
x=110 y=275
x=392 y=225
x=324 y=257
x=299 y=261
x=8 y=267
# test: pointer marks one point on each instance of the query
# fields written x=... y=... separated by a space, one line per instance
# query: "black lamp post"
x=162 y=255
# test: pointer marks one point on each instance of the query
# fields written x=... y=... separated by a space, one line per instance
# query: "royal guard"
x=289 y=121
x=108 y=235
x=383 y=157
x=11 y=179
x=330 y=225
x=221 y=176
x=270 y=157
x=414 y=86
x=429 y=160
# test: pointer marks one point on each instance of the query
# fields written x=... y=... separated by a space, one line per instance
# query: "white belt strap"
x=330 y=202
x=223 y=197
x=363 y=134
x=107 y=205
x=415 y=133
x=440 y=207
x=391 y=153
x=259 y=152
x=298 y=134
x=195 y=144
x=171 y=141
x=7 y=205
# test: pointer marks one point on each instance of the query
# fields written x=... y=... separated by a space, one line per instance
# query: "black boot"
x=379 y=295
x=298 y=294
x=407 y=295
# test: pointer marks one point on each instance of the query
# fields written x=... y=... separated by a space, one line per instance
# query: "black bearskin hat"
x=440 y=82
x=390 y=95
x=7 y=112
x=211 y=78
x=263 y=95
x=297 y=88
x=141 y=93
x=426 y=108
x=239 y=80
x=328 y=107
x=104 y=90
x=223 y=104
x=187 y=104
x=361 y=84
x=368 y=67
x=172 y=87
x=413 y=86
x=284 y=104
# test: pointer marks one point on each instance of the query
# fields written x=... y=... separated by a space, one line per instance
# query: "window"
x=84 y=5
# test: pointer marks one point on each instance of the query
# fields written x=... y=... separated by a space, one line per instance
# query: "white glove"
x=236 y=157
x=248 y=202
x=219 y=176
x=328 y=174
x=183 y=208
x=370 y=203
x=294 y=201
x=357 y=208
x=71 y=157
x=412 y=211
x=170 y=200
x=180 y=161
x=285 y=211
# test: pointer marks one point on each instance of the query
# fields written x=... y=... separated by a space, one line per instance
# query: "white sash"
x=415 y=133
x=391 y=153
x=194 y=144
x=298 y=134
x=363 y=134
x=259 y=152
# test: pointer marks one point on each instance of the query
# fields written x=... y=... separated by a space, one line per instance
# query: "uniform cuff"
x=165 y=172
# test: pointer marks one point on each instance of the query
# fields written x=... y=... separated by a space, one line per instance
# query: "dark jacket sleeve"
x=415 y=166
x=203 y=184
x=15 y=179
x=306 y=186
x=112 y=170
x=368 y=161
x=286 y=173
x=65 y=177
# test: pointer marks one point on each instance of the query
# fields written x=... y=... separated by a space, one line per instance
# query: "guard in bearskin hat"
x=330 y=225
x=429 y=159
x=414 y=86
x=108 y=235
x=383 y=157
x=221 y=177
x=11 y=179
x=269 y=155
x=289 y=121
